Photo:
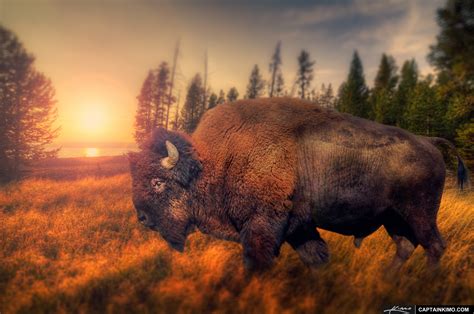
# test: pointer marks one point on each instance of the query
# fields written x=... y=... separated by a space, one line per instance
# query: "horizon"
x=98 y=149
x=97 y=54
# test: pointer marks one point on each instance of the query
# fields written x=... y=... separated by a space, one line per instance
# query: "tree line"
x=434 y=105
x=200 y=98
x=438 y=104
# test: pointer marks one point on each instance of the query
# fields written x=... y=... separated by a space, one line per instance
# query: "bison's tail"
x=463 y=175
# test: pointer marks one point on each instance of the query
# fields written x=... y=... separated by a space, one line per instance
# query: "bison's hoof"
x=358 y=242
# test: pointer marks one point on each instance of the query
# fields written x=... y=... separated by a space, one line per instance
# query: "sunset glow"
x=97 y=83
x=91 y=152
x=92 y=120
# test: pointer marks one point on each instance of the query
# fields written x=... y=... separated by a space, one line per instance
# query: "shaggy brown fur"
x=266 y=171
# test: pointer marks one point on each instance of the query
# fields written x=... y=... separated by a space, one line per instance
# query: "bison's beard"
x=177 y=239
x=177 y=244
x=175 y=227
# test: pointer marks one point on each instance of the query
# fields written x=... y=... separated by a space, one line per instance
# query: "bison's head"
x=162 y=174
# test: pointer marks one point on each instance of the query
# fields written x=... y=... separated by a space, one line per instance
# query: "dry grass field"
x=76 y=246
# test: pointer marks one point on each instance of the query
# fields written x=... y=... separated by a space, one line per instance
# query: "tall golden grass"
x=76 y=246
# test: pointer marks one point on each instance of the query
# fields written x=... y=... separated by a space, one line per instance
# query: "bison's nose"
x=145 y=220
x=142 y=218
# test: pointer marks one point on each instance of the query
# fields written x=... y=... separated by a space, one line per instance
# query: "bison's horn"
x=173 y=156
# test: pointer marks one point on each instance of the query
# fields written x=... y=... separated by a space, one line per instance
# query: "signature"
x=398 y=309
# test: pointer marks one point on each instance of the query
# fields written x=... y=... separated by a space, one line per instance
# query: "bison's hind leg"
x=311 y=248
x=431 y=240
x=419 y=228
x=403 y=236
x=419 y=208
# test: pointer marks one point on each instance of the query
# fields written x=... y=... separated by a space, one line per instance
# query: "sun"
x=93 y=120
x=91 y=152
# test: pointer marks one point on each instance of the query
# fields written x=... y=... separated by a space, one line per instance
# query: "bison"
x=268 y=171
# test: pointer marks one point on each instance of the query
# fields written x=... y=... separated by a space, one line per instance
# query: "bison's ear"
x=156 y=140
x=188 y=167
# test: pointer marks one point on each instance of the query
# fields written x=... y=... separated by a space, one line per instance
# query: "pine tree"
x=305 y=74
x=161 y=98
x=256 y=84
x=408 y=81
x=340 y=98
x=27 y=109
x=460 y=110
x=192 y=110
x=453 y=57
x=275 y=71
x=314 y=96
x=322 y=96
x=154 y=103
x=330 y=98
x=353 y=94
x=380 y=102
x=382 y=96
x=425 y=112
x=144 y=115
x=212 y=101
x=221 y=98
x=387 y=73
x=232 y=94
x=175 y=122
x=326 y=97
x=318 y=96
x=453 y=52
x=279 y=86
x=465 y=141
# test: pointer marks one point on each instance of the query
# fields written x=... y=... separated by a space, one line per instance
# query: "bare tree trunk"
x=205 y=84
x=17 y=143
x=272 y=86
x=170 y=95
x=177 y=111
x=155 y=116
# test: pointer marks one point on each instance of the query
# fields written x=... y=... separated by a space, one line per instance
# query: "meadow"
x=75 y=246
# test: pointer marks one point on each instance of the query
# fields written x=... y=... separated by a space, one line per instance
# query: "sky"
x=97 y=53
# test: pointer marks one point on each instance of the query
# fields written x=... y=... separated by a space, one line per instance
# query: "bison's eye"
x=157 y=185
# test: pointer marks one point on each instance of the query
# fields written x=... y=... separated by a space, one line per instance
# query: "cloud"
x=402 y=28
x=340 y=12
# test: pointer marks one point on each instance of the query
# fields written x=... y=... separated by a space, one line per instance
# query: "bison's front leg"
x=261 y=238
x=311 y=248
